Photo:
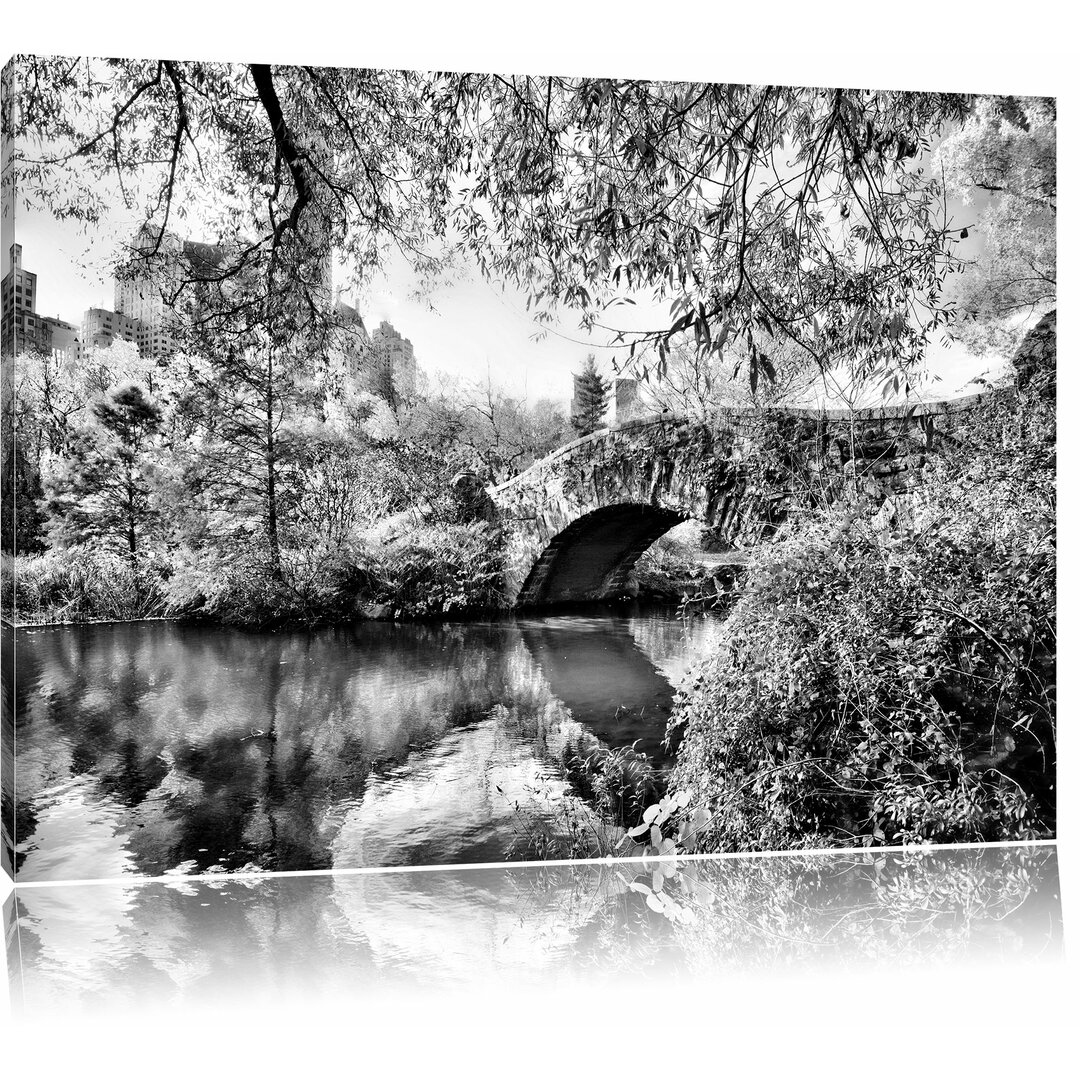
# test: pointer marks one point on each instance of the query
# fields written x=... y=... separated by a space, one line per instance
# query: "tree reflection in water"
x=151 y=747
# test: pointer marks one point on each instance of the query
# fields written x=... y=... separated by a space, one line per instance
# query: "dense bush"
x=439 y=569
x=886 y=675
x=432 y=570
x=80 y=585
x=240 y=588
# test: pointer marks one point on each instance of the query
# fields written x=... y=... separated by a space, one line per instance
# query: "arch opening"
x=592 y=558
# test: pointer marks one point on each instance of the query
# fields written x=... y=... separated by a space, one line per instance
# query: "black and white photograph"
x=409 y=468
x=529 y=539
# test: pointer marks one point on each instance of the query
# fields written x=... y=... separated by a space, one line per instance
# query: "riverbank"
x=438 y=572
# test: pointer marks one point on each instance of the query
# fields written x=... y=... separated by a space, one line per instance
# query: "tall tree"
x=20 y=492
x=591 y=395
x=1002 y=162
x=20 y=478
x=244 y=404
x=50 y=395
x=103 y=488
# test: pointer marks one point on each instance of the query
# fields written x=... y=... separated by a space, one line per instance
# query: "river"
x=156 y=747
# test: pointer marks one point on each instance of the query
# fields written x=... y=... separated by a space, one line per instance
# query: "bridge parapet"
x=869 y=414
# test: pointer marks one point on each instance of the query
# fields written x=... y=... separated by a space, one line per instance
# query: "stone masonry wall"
x=671 y=468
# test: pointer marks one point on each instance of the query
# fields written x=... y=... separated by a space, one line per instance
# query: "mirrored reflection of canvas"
x=352 y=937
x=407 y=468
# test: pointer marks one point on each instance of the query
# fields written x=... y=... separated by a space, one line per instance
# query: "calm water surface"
x=148 y=748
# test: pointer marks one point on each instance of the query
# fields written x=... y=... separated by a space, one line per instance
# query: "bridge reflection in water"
x=354 y=935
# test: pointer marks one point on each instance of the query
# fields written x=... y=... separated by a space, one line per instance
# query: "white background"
x=948 y=1023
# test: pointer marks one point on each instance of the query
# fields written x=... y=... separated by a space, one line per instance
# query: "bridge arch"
x=593 y=556
x=576 y=521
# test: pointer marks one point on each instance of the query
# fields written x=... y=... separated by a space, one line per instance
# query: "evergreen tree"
x=591 y=394
x=20 y=519
x=246 y=405
x=102 y=489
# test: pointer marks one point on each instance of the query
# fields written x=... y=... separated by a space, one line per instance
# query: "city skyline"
x=74 y=268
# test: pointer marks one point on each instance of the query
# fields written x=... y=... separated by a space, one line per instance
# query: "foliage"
x=670 y=569
x=682 y=834
x=192 y=474
x=888 y=677
x=241 y=587
x=53 y=391
x=103 y=489
x=591 y=395
x=1002 y=162
x=282 y=162
x=618 y=782
x=754 y=212
x=759 y=213
x=20 y=518
x=339 y=489
x=601 y=790
x=701 y=385
x=80 y=585
x=482 y=428
x=438 y=570
x=243 y=401
x=551 y=822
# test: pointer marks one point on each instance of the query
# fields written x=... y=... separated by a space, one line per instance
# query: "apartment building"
x=396 y=355
x=100 y=328
x=23 y=328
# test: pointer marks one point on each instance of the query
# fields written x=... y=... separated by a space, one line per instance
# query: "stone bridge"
x=579 y=519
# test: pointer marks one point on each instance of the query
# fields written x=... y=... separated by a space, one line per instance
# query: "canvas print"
x=435 y=468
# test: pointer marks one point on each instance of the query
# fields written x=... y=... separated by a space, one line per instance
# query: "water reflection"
x=140 y=944
x=152 y=747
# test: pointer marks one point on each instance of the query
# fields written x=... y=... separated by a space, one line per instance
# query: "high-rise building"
x=355 y=341
x=395 y=354
x=148 y=284
x=22 y=328
x=382 y=363
x=145 y=284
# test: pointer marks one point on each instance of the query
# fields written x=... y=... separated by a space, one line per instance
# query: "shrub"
x=439 y=569
x=240 y=587
x=886 y=676
x=433 y=571
x=81 y=585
